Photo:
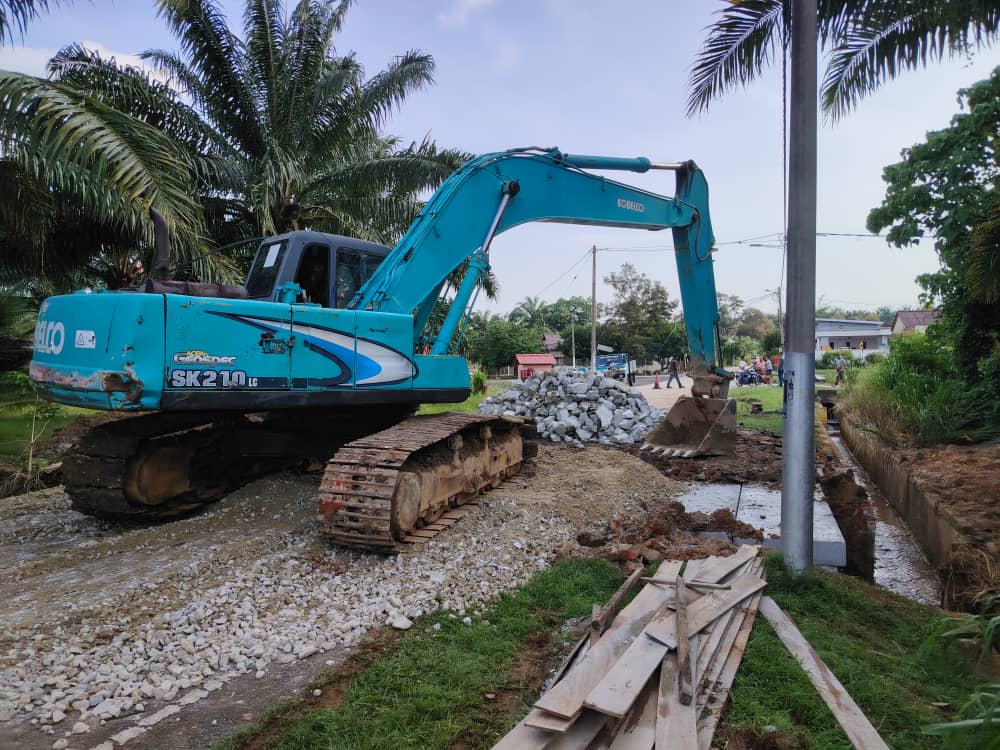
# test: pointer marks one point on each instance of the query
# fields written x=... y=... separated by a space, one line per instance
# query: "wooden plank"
x=716 y=569
x=523 y=737
x=416 y=539
x=423 y=533
x=617 y=689
x=581 y=734
x=638 y=731
x=685 y=681
x=851 y=718
x=704 y=611
x=676 y=724
x=719 y=689
x=566 y=697
x=549 y=722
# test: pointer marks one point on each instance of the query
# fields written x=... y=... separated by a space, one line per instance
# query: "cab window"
x=264 y=272
x=354 y=268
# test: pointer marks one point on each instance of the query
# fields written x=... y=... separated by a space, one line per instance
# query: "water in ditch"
x=900 y=566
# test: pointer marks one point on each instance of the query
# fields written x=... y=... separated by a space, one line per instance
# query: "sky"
x=605 y=78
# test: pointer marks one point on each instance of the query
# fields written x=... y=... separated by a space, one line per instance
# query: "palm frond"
x=217 y=57
x=740 y=43
x=879 y=44
x=16 y=14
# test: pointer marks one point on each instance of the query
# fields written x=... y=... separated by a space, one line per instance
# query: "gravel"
x=134 y=623
x=575 y=407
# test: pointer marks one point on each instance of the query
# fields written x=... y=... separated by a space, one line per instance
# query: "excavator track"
x=408 y=483
x=159 y=466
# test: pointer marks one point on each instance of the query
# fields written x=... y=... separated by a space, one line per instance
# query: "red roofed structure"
x=528 y=364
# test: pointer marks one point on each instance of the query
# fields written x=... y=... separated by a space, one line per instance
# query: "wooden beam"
x=685 y=665
x=851 y=718
x=567 y=696
x=704 y=611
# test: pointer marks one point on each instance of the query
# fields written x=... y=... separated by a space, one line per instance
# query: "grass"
x=876 y=643
x=15 y=429
x=434 y=690
x=468 y=406
x=770 y=398
x=463 y=687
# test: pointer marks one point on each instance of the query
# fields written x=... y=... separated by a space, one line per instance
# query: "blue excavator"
x=331 y=345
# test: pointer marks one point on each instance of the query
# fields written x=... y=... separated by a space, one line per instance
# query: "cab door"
x=325 y=347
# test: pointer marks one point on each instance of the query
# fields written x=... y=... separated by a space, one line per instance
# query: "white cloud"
x=33 y=60
x=461 y=9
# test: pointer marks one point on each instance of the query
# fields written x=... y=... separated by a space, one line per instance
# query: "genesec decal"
x=211 y=379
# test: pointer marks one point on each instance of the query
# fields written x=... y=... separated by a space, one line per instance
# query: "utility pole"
x=572 y=338
x=593 y=309
x=798 y=476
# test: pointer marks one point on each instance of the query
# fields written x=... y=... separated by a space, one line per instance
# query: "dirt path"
x=216 y=617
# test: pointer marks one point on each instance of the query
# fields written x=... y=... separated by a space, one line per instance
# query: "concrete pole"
x=572 y=336
x=593 y=309
x=798 y=470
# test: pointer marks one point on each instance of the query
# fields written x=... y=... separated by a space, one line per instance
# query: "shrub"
x=917 y=395
x=829 y=358
x=479 y=382
x=875 y=358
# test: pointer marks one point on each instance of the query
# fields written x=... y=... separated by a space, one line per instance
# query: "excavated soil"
x=757 y=459
x=967 y=480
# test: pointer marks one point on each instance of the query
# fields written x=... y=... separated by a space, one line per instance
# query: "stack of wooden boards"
x=660 y=674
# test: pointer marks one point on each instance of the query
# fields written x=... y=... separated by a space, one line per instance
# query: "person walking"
x=781 y=368
x=672 y=373
x=840 y=363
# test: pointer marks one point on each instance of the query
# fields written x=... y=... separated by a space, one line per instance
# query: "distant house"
x=860 y=337
x=912 y=321
x=553 y=345
x=529 y=364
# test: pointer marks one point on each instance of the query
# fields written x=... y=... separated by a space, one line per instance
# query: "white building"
x=860 y=337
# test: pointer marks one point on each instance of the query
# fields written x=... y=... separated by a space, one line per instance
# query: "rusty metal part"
x=695 y=427
x=405 y=484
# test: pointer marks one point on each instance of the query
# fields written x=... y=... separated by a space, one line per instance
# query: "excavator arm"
x=495 y=192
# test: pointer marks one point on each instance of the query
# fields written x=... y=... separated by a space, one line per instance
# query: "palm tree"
x=869 y=42
x=529 y=312
x=252 y=135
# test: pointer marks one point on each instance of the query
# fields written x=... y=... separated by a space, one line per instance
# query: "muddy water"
x=900 y=566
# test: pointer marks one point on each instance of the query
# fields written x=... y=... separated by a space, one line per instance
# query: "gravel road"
x=116 y=636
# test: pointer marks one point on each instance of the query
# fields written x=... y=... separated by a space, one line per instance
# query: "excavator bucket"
x=695 y=427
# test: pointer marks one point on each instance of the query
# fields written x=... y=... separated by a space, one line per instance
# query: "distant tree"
x=640 y=309
x=502 y=340
x=885 y=314
x=754 y=324
x=559 y=314
x=771 y=343
x=730 y=312
x=529 y=312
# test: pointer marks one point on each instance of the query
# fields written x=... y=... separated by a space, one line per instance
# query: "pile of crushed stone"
x=576 y=407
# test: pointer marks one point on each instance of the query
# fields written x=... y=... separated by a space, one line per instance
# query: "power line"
x=564 y=274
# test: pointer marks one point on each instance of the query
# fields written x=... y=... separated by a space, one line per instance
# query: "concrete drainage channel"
x=900 y=565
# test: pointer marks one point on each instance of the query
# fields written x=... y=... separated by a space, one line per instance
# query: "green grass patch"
x=770 y=398
x=15 y=431
x=431 y=692
x=876 y=643
x=468 y=406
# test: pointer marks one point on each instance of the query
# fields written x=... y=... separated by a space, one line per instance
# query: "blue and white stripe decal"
x=375 y=364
